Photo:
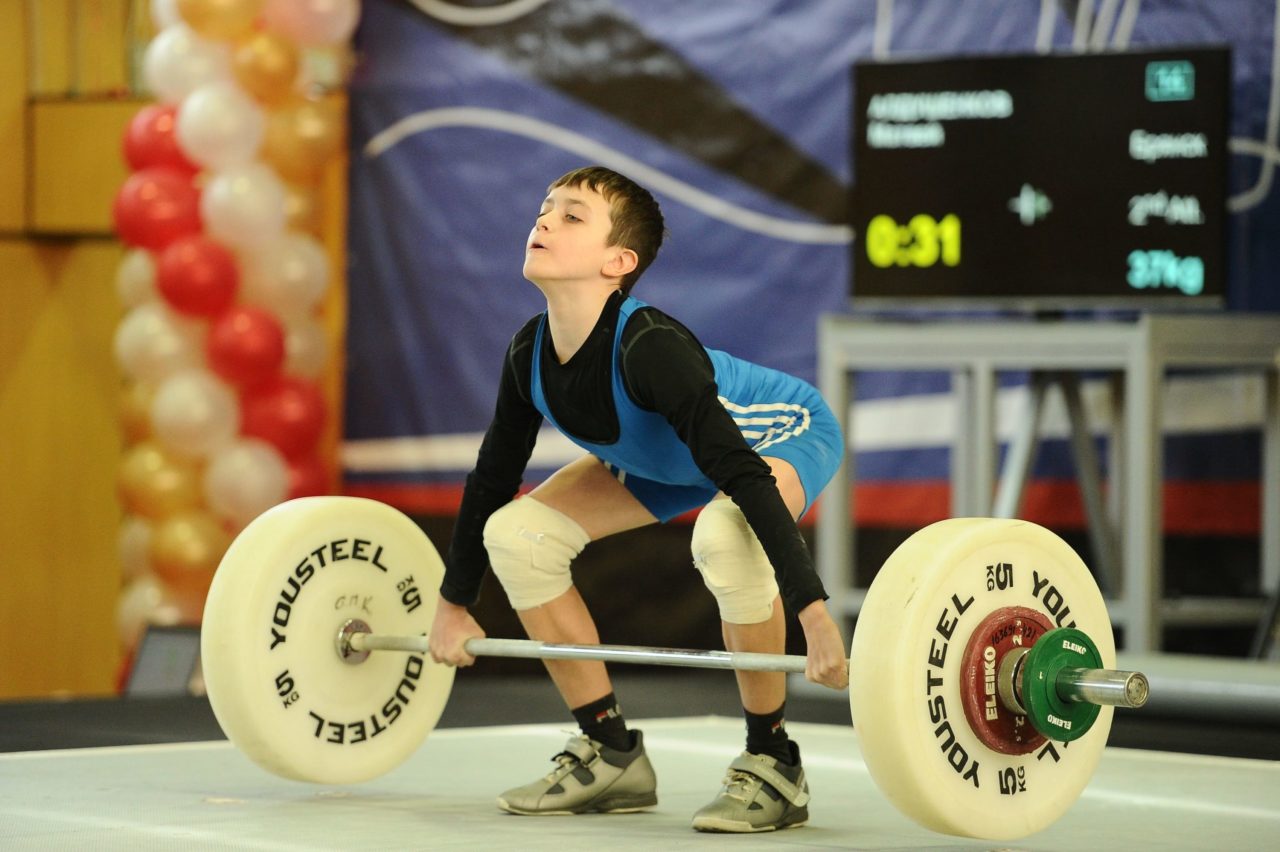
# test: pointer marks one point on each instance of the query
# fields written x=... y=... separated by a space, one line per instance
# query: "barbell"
x=982 y=662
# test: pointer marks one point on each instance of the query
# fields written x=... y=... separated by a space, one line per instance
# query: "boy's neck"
x=571 y=315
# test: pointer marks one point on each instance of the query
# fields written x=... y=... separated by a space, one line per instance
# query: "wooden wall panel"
x=77 y=47
x=13 y=118
x=59 y=447
x=72 y=184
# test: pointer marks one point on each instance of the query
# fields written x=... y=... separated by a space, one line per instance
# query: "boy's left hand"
x=828 y=662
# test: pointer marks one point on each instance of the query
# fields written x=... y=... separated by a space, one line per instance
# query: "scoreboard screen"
x=1045 y=181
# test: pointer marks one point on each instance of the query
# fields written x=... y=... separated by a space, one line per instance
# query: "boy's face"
x=569 y=240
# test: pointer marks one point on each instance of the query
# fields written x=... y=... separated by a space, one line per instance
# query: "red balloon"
x=246 y=346
x=308 y=477
x=198 y=276
x=156 y=206
x=288 y=413
x=149 y=140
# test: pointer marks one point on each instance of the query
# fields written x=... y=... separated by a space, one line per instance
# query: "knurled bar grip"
x=1096 y=686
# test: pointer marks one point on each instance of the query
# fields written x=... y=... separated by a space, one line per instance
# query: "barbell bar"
x=1104 y=687
x=529 y=649
x=982 y=662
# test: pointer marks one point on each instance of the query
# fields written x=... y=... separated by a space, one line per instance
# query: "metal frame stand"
x=1266 y=642
x=1139 y=353
x=1020 y=458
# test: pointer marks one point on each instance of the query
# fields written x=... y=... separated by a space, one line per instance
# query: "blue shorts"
x=815 y=454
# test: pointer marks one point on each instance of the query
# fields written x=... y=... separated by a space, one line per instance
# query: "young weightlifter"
x=668 y=426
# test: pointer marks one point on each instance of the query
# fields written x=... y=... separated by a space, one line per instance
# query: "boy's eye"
x=571 y=217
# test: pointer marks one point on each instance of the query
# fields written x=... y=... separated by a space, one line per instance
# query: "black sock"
x=767 y=734
x=602 y=721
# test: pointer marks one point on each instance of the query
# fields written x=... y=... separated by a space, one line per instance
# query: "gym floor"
x=151 y=773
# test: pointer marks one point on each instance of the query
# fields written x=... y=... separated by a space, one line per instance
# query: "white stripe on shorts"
x=784 y=420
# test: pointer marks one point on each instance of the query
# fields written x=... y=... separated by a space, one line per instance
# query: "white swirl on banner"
x=471 y=16
x=657 y=181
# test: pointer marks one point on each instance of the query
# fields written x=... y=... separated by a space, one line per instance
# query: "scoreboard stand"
x=1020 y=457
x=1138 y=353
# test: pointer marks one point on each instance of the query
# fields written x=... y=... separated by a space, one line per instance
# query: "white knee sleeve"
x=530 y=547
x=733 y=564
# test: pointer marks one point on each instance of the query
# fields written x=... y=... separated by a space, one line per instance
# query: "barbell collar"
x=532 y=649
x=1103 y=686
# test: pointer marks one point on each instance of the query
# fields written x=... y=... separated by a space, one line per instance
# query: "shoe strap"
x=753 y=765
x=582 y=749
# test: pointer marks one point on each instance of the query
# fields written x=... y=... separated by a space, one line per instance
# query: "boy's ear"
x=621 y=262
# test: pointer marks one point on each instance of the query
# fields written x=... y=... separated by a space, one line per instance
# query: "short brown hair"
x=637 y=221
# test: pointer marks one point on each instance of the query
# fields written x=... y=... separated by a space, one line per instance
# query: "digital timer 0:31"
x=922 y=242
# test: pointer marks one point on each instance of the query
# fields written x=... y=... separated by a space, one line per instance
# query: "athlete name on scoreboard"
x=914 y=119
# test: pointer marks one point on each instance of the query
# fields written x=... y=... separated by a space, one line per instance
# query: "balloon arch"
x=223 y=282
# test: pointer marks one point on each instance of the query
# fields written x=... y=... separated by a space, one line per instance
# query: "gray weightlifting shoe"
x=589 y=778
x=760 y=794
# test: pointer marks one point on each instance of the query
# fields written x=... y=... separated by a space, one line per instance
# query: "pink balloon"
x=312 y=23
x=198 y=276
x=156 y=206
x=246 y=346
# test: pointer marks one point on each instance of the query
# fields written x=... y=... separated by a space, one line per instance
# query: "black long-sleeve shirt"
x=666 y=370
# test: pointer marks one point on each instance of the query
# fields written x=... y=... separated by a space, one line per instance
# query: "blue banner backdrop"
x=737 y=116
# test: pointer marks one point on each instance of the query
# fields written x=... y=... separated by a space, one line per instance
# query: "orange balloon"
x=135 y=411
x=155 y=484
x=302 y=137
x=185 y=551
x=302 y=208
x=220 y=19
x=266 y=66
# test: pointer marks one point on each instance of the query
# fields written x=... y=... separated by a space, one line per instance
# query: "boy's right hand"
x=452 y=627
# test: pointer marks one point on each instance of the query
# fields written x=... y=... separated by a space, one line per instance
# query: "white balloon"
x=288 y=275
x=219 y=126
x=178 y=62
x=244 y=479
x=136 y=278
x=164 y=13
x=132 y=546
x=152 y=342
x=244 y=206
x=145 y=601
x=306 y=347
x=194 y=414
